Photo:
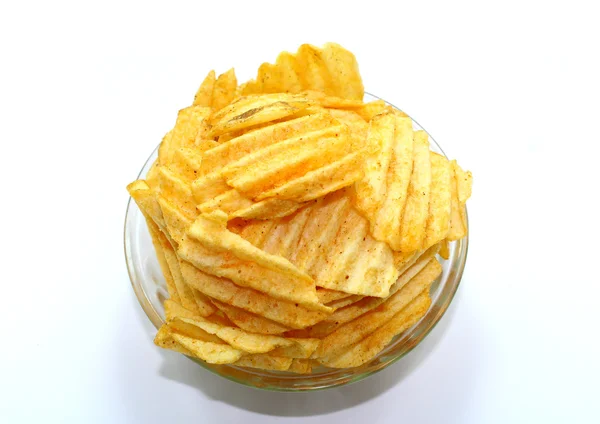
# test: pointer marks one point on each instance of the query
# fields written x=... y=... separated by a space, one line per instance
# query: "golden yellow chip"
x=217 y=251
x=250 y=142
x=156 y=235
x=254 y=110
x=458 y=225
x=331 y=69
x=147 y=202
x=416 y=209
x=438 y=220
x=346 y=314
x=249 y=321
x=300 y=366
x=312 y=70
x=385 y=223
x=224 y=90
x=191 y=123
x=213 y=353
x=204 y=95
x=164 y=339
x=264 y=362
x=356 y=330
x=343 y=68
x=286 y=161
x=287 y=313
x=369 y=347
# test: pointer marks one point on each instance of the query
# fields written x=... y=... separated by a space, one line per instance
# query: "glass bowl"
x=150 y=288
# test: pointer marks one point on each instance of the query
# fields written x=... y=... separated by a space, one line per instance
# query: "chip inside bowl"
x=297 y=226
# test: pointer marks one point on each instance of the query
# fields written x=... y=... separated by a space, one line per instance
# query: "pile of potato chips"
x=295 y=225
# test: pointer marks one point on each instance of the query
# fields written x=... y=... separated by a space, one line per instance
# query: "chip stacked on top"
x=295 y=225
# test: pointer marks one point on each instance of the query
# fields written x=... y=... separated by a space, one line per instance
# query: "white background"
x=87 y=90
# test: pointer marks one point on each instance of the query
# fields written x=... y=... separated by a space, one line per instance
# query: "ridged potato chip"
x=287 y=313
x=356 y=330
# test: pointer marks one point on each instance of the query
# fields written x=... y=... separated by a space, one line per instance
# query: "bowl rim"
x=157 y=320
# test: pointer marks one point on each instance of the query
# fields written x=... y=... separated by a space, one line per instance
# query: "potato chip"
x=355 y=262
x=371 y=189
x=186 y=296
x=300 y=366
x=343 y=67
x=224 y=90
x=204 y=95
x=249 y=321
x=283 y=162
x=186 y=163
x=146 y=201
x=224 y=290
x=356 y=330
x=191 y=123
x=236 y=205
x=416 y=209
x=214 y=249
x=238 y=147
x=177 y=191
x=312 y=70
x=439 y=207
x=250 y=342
x=332 y=101
x=156 y=235
x=164 y=339
x=464 y=181
x=458 y=228
x=370 y=346
x=254 y=110
x=385 y=223
x=341 y=303
x=320 y=231
x=213 y=353
x=327 y=296
x=264 y=362
x=284 y=235
x=368 y=110
x=354 y=310
x=445 y=249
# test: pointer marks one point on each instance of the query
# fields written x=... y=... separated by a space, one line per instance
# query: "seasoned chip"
x=249 y=321
x=215 y=250
x=458 y=225
x=213 y=353
x=253 y=110
x=224 y=290
x=265 y=362
x=301 y=366
x=439 y=207
x=414 y=218
x=147 y=202
x=370 y=346
x=360 y=328
x=312 y=70
x=191 y=123
x=385 y=223
x=204 y=329
x=368 y=110
x=156 y=235
x=283 y=162
x=224 y=90
x=351 y=312
x=343 y=68
x=204 y=95
x=238 y=147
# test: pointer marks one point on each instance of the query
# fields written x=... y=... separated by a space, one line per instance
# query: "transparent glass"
x=150 y=288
